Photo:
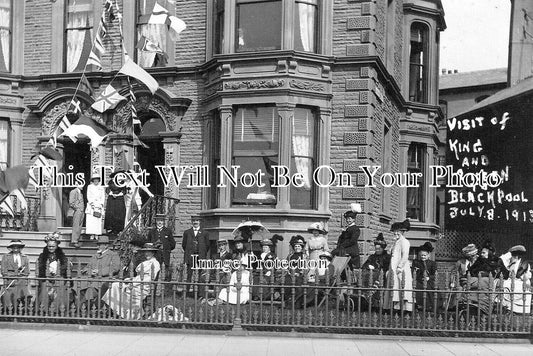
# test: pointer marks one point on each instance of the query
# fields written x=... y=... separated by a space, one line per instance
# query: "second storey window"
x=418 y=63
x=156 y=35
x=5 y=35
x=78 y=40
x=258 y=25
x=255 y=147
x=305 y=26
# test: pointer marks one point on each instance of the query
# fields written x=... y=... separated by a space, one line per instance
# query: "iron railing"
x=23 y=219
x=282 y=301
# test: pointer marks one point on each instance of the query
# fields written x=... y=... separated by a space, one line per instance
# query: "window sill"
x=385 y=218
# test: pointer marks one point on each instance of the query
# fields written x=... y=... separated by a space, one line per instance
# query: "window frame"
x=421 y=182
x=10 y=28
x=419 y=92
x=65 y=36
x=136 y=26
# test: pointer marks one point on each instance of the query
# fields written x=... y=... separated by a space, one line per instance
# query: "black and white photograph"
x=266 y=177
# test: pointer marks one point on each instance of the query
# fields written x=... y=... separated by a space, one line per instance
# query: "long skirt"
x=93 y=225
x=18 y=291
x=115 y=214
x=516 y=299
x=126 y=299
x=400 y=294
x=53 y=297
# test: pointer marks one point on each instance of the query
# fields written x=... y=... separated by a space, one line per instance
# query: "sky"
x=476 y=36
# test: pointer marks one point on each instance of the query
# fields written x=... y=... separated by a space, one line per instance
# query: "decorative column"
x=171 y=144
x=323 y=154
x=226 y=134
x=286 y=113
x=123 y=151
x=402 y=194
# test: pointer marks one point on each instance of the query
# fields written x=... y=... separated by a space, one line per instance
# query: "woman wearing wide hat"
x=399 y=278
x=317 y=243
x=94 y=211
x=15 y=264
x=126 y=298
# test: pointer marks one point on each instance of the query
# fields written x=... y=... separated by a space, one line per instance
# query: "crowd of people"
x=404 y=284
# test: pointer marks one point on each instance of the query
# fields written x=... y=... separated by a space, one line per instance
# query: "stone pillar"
x=286 y=114
x=50 y=216
x=171 y=144
x=123 y=151
x=226 y=134
x=323 y=158
x=16 y=141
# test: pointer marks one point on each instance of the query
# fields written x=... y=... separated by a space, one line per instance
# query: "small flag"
x=107 y=100
x=76 y=104
x=85 y=85
x=7 y=205
x=14 y=178
x=134 y=70
x=160 y=16
x=95 y=60
x=100 y=34
x=147 y=45
x=32 y=180
x=21 y=197
x=109 y=10
x=86 y=126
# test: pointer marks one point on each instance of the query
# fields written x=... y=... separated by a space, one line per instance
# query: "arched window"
x=418 y=63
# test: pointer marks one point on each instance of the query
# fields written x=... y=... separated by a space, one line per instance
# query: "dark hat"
x=275 y=238
x=102 y=239
x=267 y=242
x=14 y=243
x=317 y=226
x=426 y=247
x=380 y=241
x=160 y=216
x=326 y=254
x=469 y=250
x=517 y=250
x=195 y=217
x=350 y=214
x=297 y=240
x=401 y=226
x=489 y=245
x=149 y=247
x=239 y=238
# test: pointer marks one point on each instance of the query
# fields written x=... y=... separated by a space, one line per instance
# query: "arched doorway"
x=76 y=159
x=154 y=154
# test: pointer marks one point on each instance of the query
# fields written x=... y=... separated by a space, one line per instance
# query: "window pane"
x=418 y=63
x=78 y=34
x=4 y=137
x=218 y=25
x=153 y=53
x=305 y=27
x=415 y=196
x=303 y=157
x=5 y=35
x=258 y=26
x=256 y=147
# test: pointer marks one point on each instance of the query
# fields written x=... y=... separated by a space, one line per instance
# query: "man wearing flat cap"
x=195 y=242
x=104 y=264
x=15 y=264
x=347 y=244
x=162 y=237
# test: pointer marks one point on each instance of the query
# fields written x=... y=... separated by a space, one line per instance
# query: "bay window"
x=255 y=148
x=5 y=35
x=258 y=25
x=78 y=40
x=154 y=54
x=415 y=196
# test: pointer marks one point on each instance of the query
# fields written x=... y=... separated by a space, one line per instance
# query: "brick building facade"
x=341 y=83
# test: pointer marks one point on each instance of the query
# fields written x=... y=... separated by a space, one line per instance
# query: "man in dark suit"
x=195 y=242
x=162 y=238
x=347 y=244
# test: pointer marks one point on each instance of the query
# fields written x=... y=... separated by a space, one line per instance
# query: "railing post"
x=237 y=321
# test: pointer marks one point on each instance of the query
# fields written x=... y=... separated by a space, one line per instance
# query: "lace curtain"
x=306 y=14
x=302 y=132
x=76 y=38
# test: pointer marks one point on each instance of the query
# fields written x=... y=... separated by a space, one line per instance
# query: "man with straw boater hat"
x=15 y=264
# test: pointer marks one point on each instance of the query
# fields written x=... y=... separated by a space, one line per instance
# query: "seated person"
x=15 y=264
x=516 y=271
x=425 y=272
x=125 y=298
x=462 y=266
x=230 y=294
x=324 y=276
x=487 y=262
x=380 y=260
x=52 y=267
x=103 y=265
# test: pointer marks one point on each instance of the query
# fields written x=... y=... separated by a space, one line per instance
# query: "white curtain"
x=75 y=38
x=5 y=35
x=306 y=14
x=301 y=147
x=156 y=34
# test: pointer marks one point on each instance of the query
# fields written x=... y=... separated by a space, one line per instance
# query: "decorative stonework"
x=254 y=84
x=306 y=85
x=418 y=128
x=213 y=89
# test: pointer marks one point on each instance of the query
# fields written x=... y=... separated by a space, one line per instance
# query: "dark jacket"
x=484 y=267
x=422 y=270
x=347 y=245
x=195 y=245
x=45 y=258
x=380 y=262
x=165 y=241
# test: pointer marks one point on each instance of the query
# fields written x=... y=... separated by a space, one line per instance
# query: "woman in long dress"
x=126 y=297
x=316 y=245
x=95 y=208
x=115 y=211
x=399 y=278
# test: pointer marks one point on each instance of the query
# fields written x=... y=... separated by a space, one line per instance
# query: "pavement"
x=46 y=339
